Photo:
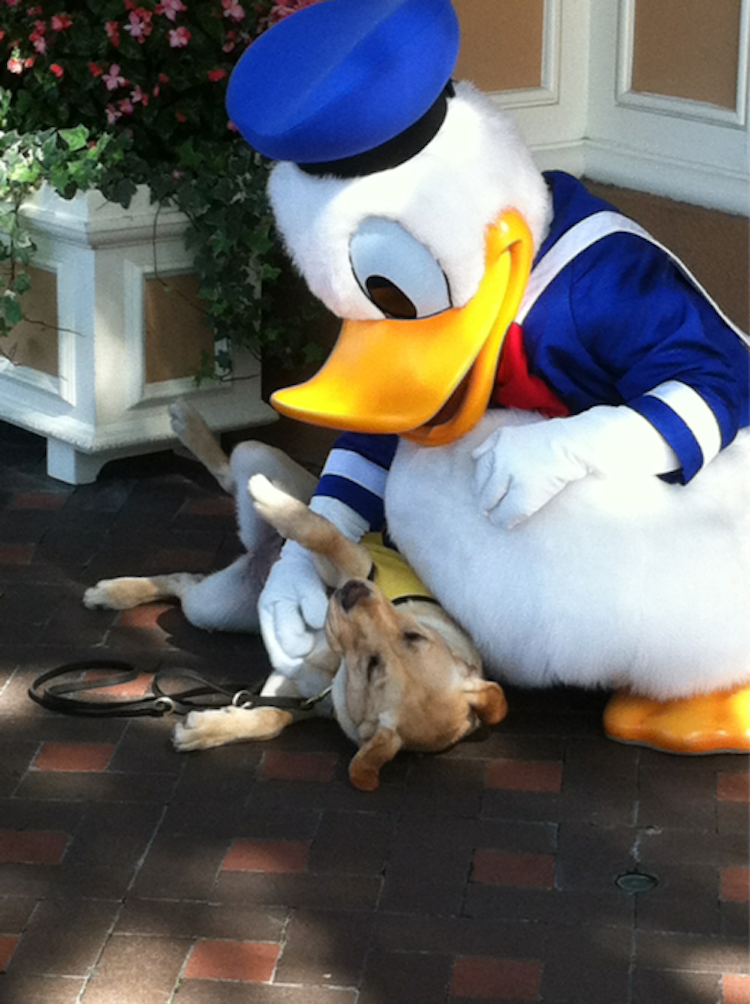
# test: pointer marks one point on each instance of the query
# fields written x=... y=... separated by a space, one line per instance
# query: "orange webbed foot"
x=706 y=723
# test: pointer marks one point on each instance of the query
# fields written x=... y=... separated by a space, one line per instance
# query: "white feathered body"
x=614 y=583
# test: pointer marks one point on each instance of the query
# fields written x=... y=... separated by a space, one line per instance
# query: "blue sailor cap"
x=336 y=81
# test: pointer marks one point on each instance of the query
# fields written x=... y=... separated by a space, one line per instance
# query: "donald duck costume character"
x=543 y=401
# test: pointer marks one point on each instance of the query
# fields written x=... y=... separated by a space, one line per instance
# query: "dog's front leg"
x=364 y=770
x=218 y=727
x=221 y=726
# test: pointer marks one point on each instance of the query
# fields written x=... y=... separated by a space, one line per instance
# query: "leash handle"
x=58 y=696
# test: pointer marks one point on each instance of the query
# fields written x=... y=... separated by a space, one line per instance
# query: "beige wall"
x=687 y=49
x=501 y=43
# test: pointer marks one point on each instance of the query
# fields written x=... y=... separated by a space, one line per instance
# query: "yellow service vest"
x=391 y=573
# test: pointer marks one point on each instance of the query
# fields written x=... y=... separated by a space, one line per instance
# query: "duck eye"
x=389 y=298
x=397 y=273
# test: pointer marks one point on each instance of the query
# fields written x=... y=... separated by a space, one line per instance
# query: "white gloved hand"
x=521 y=468
x=292 y=607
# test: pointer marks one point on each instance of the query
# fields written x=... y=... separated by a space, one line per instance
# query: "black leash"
x=203 y=693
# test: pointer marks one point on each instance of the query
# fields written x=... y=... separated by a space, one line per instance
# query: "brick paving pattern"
x=498 y=871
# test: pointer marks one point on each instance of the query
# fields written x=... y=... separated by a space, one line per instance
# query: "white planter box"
x=107 y=392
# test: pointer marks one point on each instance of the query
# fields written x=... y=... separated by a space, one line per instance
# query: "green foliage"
x=109 y=94
x=69 y=161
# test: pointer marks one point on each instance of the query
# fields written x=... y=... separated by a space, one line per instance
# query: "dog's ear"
x=488 y=700
x=364 y=770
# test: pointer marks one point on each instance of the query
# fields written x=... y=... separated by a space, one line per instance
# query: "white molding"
x=553 y=115
x=89 y=220
x=682 y=181
x=44 y=382
x=548 y=92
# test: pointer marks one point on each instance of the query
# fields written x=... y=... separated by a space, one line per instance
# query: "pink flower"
x=179 y=37
x=112 y=29
x=214 y=75
x=140 y=26
x=56 y=69
x=125 y=106
x=15 y=65
x=95 y=70
x=170 y=8
x=114 y=79
x=60 y=22
x=232 y=10
x=37 y=38
x=283 y=8
x=138 y=95
x=112 y=114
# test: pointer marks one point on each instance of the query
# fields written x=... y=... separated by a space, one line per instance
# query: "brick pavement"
x=131 y=873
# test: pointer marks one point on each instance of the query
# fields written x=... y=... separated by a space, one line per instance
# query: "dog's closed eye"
x=413 y=637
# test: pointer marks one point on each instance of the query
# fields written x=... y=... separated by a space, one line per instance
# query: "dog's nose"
x=351 y=593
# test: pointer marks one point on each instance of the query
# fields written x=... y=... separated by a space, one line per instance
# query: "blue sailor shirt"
x=621 y=324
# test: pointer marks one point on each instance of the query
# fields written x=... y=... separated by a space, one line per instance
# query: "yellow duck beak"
x=429 y=380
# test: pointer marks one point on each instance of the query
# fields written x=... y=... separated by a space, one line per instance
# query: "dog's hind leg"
x=131 y=591
x=251 y=458
x=224 y=601
x=190 y=428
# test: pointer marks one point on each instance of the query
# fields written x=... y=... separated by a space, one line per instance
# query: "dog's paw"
x=276 y=506
x=97 y=596
x=202 y=730
x=117 y=594
x=265 y=494
x=182 y=416
x=107 y=594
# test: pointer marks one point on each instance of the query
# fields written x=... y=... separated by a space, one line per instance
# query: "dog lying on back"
x=402 y=674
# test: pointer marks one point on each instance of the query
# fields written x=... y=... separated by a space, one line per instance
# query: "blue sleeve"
x=355 y=473
x=640 y=319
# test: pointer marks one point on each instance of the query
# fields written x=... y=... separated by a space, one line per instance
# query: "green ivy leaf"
x=11 y=309
x=21 y=283
x=75 y=139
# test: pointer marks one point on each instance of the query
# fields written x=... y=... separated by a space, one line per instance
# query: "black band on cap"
x=394 y=151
